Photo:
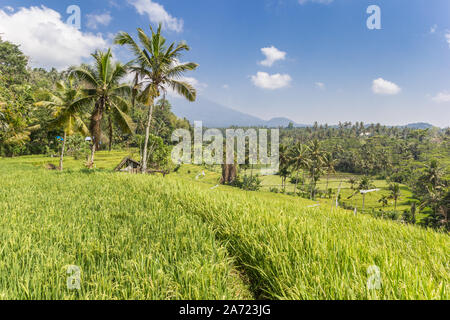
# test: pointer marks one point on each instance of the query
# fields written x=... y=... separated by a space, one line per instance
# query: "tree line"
x=93 y=100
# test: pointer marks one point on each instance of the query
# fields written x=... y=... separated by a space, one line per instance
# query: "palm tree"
x=317 y=161
x=329 y=164
x=439 y=200
x=156 y=68
x=298 y=156
x=433 y=174
x=284 y=164
x=102 y=87
x=67 y=107
x=384 y=201
x=395 y=193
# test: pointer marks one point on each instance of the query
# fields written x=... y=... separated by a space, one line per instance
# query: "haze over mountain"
x=215 y=115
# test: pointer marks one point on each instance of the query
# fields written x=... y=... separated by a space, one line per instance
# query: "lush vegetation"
x=295 y=235
x=139 y=236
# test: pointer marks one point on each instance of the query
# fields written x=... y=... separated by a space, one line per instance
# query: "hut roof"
x=126 y=162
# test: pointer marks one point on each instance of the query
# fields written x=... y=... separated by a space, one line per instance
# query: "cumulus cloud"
x=381 y=86
x=272 y=55
x=320 y=85
x=315 y=1
x=157 y=14
x=442 y=97
x=46 y=39
x=447 y=36
x=271 y=82
x=93 y=20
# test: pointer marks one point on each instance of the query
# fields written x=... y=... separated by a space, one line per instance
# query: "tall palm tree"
x=316 y=156
x=299 y=160
x=394 y=193
x=284 y=164
x=102 y=86
x=67 y=108
x=329 y=165
x=433 y=174
x=156 y=68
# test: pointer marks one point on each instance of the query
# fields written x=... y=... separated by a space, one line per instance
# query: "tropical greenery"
x=346 y=197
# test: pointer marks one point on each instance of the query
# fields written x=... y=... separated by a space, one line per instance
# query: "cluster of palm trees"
x=310 y=160
x=98 y=92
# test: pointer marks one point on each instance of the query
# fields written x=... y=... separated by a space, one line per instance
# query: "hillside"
x=148 y=237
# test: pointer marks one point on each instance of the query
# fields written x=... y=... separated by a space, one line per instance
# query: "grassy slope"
x=129 y=242
x=103 y=222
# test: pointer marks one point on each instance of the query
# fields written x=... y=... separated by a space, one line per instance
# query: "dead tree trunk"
x=229 y=173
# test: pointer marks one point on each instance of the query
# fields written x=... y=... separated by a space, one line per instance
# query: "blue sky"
x=323 y=63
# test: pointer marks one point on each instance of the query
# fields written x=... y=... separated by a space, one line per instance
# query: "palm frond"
x=184 y=89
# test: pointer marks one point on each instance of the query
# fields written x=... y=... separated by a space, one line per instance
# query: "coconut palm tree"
x=284 y=164
x=101 y=86
x=299 y=160
x=67 y=108
x=329 y=165
x=156 y=68
x=316 y=156
x=394 y=193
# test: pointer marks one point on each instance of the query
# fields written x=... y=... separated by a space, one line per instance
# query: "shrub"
x=249 y=183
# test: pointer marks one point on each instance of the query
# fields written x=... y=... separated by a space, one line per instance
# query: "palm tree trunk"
x=328 y=178
x=61 y=158
x=95 y=128
x=296 y=183
x=91 y=161
x=147 y=137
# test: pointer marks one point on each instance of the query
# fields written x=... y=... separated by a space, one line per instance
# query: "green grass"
x=130 y=242
x=148 y=237
x=372 y=199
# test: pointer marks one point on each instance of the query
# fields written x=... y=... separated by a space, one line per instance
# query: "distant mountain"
x=283 y=122
x=419 y=125
x=214 y=115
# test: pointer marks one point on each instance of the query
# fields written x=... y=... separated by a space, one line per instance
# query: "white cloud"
x=157 y=14
x=9 y=8
x=272 y=55
x=315 y=1
x=271 y=82
x=381 y=86
x=93 y=20
x=46 y=39
x=447 y=36
x=433 y=28
x=226 y=86
x=320 y=85
x=442 y=97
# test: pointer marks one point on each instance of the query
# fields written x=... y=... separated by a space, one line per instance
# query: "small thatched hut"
x=128 y=165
